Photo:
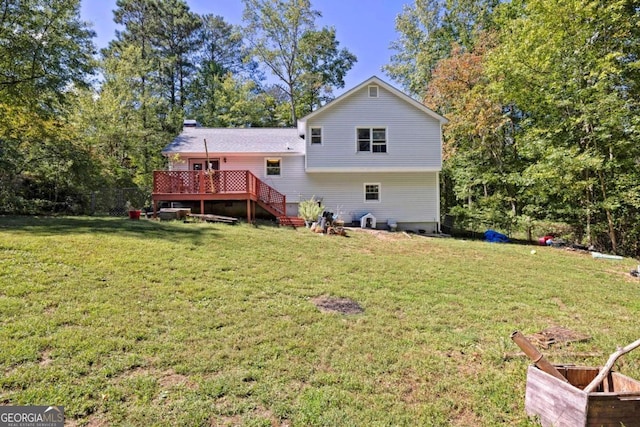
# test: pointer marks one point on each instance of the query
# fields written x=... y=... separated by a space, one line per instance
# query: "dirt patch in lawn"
x=383 y=234
x=557 y=335
x=170 y=379
x=260 y=414
x=45 y=358
x=337 y=305
x=94 y=421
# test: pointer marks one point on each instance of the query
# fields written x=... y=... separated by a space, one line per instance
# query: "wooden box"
x=167 y=214
x=556 y=403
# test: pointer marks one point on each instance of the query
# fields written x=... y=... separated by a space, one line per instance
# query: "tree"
x=276 y=29
x=165 y=35
x=481 y=161
x=127 y=147
x=427 y=30
x=139 y=18
x=43 y=57
x=222 y=52
x=325 y=67
x=148 y=69
x=573 y=67
x=176 y=43
x=42 y=53
x=237 y=103
x=222 y=44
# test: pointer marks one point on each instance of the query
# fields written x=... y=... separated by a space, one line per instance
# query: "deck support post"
x=202 y=206
x=249 y=210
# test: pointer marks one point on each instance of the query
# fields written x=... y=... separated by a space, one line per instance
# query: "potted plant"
x=310 y=210
x=133 y=212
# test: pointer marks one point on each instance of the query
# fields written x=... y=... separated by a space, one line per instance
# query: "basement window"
x=371 y=192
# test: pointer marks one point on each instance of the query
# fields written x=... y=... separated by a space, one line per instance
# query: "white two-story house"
x=373 y=150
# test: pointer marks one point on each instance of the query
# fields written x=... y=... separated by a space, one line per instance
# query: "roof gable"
x=373 y=81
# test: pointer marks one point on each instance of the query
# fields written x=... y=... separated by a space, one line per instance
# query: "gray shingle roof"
x=240 y=140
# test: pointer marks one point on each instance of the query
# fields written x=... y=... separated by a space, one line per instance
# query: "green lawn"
x=147 y=323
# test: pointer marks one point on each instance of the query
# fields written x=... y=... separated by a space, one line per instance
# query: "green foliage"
x=223 y=66
x=234 y=102
x=42 y=53
x=427 y=30
x=324 y=65
x=542 y=99
x=126 y=135
x=164 y=36
x=131 y=323
x=283 y=38
x=576 y=81
x=310 y=209
x=60 y=138
x=43 y=57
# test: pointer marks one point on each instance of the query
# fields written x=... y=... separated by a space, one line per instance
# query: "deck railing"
x=199 y=183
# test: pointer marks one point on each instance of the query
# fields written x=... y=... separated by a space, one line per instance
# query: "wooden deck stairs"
x=291 y=221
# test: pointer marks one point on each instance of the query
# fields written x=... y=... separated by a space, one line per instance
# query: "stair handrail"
x=279 y=206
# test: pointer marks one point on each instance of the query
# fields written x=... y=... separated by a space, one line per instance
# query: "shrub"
x=309 y=210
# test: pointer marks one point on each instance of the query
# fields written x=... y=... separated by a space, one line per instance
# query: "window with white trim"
x=372 y=139
x=273 y=167
x=373 y=91
x=316 y=135
x=371 y=192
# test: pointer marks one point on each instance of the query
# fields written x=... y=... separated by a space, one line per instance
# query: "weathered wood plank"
x=561 y=404
x=622 y=383
x=215 y=218
x=555 y=402
x=613 y=410
x=173 y=213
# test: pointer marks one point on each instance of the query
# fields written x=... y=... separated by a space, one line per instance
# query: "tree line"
x=73 y=119
x=541 y=96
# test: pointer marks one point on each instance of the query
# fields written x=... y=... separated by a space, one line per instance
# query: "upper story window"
x=372 y=139
x=373 y=91
x=274 y=167
x=316 y=135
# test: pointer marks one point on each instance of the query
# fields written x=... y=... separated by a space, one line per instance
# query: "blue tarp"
x=495 y=237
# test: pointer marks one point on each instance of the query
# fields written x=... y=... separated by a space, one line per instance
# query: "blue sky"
x=365 y=27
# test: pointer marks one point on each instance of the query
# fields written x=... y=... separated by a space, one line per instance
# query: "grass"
x=146 y=323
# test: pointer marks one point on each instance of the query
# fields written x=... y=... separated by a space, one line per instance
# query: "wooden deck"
x=201 y=186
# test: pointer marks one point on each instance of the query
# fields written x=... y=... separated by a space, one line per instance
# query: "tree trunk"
x=294 y=118
x=612 y=231
x=589 y=193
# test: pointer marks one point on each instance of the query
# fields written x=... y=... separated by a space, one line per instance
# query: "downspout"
x=438 y=202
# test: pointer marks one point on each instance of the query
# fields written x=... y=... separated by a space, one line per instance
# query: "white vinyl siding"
x=413 y=141
x=404 y=197
x=409 y=198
